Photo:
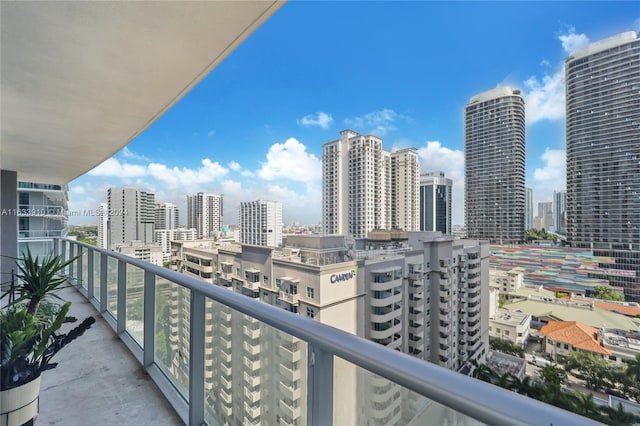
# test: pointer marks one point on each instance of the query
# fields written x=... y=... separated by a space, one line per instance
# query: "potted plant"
x=29 y=334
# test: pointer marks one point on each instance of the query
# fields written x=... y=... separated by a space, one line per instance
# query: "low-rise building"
x=148 y=252
x=507 y=281
x=544 y=309
x=512 y=326
x=623 y=344
x=564 y=337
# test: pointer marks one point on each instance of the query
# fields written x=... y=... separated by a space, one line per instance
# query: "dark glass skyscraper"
x=435 y=202
x=603 y=154
x=494 y=151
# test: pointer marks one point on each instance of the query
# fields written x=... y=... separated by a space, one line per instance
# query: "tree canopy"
x=607 y=293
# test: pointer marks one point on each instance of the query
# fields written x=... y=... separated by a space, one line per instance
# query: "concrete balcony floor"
x=98 y=381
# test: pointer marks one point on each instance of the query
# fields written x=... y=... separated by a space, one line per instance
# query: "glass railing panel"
x=254 y=373
x=96 y=275
x=362 y=397
x=112 y=286
x=172 y=307
x=135 y=303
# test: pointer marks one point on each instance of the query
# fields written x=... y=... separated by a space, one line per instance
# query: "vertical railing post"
x=121 y=317
x=319 y=387
x=104 y=265
x=149 y=308
x=79 y=265
x=71 y=265
x=63 y=250
x=56 y=249
x=90 y=265
x=196 y=358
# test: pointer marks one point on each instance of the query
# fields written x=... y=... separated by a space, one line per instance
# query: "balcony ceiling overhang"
x=80 y=80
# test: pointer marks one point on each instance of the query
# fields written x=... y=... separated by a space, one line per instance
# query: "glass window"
x=310 y=292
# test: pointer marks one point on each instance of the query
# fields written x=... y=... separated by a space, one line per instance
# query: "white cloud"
x=544 y=97
x=435 y=157
x=127 y=153
x=290 y=160
x=551 y=176
x=320 y=119
x=572 y=41
x=77 y=189
x=113 y=167
x=234 y=166
x=186 y=177
x=378 y=122
x=555 y=167
x=211 y=133
x=545 y=63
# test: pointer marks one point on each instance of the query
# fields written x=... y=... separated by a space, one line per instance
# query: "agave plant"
x=29 y=325
x=39 y=278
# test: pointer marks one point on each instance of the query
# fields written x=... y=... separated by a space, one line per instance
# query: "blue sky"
x=254 y=128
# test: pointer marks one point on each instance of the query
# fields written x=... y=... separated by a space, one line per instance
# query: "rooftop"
x=595 y=317
x=576 y=334
x=511 y=317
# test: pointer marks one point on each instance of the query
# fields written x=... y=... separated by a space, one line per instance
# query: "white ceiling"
x=80 y=79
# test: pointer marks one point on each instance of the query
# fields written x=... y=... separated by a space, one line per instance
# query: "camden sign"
x=344 y=276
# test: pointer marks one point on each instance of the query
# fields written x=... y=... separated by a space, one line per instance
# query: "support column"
x=8 y=223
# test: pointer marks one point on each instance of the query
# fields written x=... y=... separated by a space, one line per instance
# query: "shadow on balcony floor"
x=99 y=382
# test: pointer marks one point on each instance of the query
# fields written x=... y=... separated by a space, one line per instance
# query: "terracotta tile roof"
x=624 y=310
x=574 y=333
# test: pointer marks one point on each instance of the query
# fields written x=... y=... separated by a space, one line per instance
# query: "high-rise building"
x=435 y=202
x=365 y=187
x=204 y=212
x=405 y=189
x=131 y=216
x=528 y=209
x=103 y=226
x=42 y=215
x=163 y=237
x=494 y=149
x=430 y=300
x=167 y=216
x=545 y=213
x=261 y=223
x=560 y=211
x=603 y=154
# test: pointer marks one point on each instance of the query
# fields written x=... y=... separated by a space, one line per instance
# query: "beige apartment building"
x=420 y=293
x=365 y=187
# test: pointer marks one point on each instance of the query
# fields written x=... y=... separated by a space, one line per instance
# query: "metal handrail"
x=474 y=398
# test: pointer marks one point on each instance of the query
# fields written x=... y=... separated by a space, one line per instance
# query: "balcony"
x=252 y=333
x=253 y=286
x=289 y=298
x=288 y=354
x=292 y=411
x=290 y=374
x=472 y=398
x=252 y=411
x=290 y=392
x=252 y=365
x=252 y=380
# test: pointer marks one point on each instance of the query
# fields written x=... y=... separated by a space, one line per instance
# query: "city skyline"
x=285 y=109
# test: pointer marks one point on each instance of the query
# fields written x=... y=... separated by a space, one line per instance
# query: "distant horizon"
x=254 y=128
